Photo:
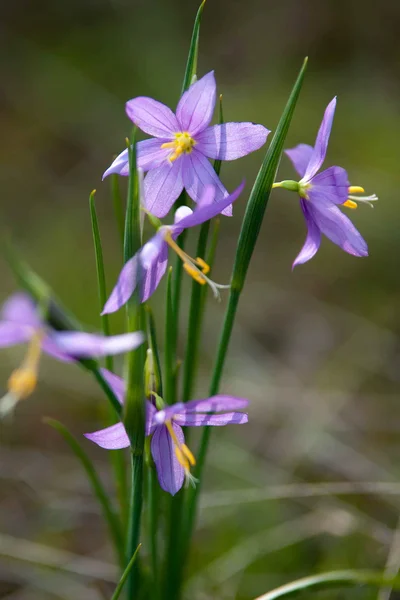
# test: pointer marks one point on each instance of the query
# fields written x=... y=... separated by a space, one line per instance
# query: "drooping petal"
x=300 y=156
x=150 y=155
x=208 y=209
x=79 y=344
x=116 y=383
x=199 y=420
x=198 y=173
x=49 y=346
x=14 y=333
x=313 y=239
x=169 y=471
x=162 y=186
x=152 y=117
x=120 y=165
x=321 y=143
x=217 y=403
x=339 y=229
x=110 y=438
x=331 y=186
x=124 y=288
x=20 y=308
x=231 y=140
x=196 y=107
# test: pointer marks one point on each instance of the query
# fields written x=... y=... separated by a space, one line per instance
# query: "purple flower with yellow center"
x=147 y=267
x=177 y=156
x=172 y=457
x=322 y=193
x=21 y=322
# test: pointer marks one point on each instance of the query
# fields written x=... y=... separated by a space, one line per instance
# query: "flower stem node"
x=288 y=184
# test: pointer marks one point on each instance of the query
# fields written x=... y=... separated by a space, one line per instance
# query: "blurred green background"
x=311 y=483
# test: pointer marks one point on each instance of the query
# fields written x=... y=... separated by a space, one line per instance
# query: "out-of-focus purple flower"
x=321 y=193
x=172 y=457
x=177 y=156
x=148 y=266
x=20 y=322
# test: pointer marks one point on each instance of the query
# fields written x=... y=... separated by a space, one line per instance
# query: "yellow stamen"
x=205 y=268
x=189 y=264
x=350 y=204
x=168 y=145
x=182 y=452
x=181 y=459
x=189 y=455
x=23 y=380
x=356 y=189
x=194 y=273
x=183 y=143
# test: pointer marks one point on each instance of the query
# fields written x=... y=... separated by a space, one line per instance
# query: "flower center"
x=183 y=144
x=352 y=200
x=197 y=268
x=182 y=452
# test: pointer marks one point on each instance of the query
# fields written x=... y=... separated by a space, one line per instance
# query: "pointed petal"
x=152 y=117
x=199 y=420
x=231 y=140
x=49 y=346
x=300 y=157
x=20 y=308
x=321 y=143
x=208 y=209
x=150 y=155
x=14 y=333
x=215 y=404
x=331 y=186
x=169 y=471
x=154 y=264
x=111 y=438
x=79 y=344
x=313 y=239
x=162 y=186
x=196 y=107
x=117 y=384
x=198 y=173
x=124 y=287
x=339 y=229
x=120 y=165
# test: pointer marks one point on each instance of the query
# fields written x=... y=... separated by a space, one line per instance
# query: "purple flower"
x=172 y=457
x=152 y=258
x=176 y=157
x=20 y=322
x=321 y=193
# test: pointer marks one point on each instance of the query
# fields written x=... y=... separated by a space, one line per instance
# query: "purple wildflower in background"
x=152 y=258
x=177 y=156
x=172 y=457
x=21 y=322
x=321 y=193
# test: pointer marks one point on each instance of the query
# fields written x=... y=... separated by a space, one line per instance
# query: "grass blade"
x=125 y=574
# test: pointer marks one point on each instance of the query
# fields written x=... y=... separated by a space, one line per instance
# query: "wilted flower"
x=321 y=193
x=176 y=157
x=21 y=322
x=148 y=265
x=172 y=457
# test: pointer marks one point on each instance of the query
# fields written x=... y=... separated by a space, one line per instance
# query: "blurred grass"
x=317 y=350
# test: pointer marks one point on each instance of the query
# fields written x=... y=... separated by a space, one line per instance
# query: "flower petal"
x=79 y=344
x=300 y=157
x=124 y=287
x=49 y=346
x=215 y=404
x=198 y=173
x=162 y=186
x=120 y=165
x=231 y=140
x=321 y=143
x=111 y=438
x=313 y=239
x=169 y=471
x=116 y=383
x=20 y=308
x=331 y=186
x=150 y=155
x=208 y=209
x=198 y=419
x=339 y=229
x=14 y=333
x=196 y=107
x=152 y=117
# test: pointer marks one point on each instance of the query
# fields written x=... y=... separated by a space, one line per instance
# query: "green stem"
x=153 y=512
x=125 y=574
x=170 y=343
x=118 y=205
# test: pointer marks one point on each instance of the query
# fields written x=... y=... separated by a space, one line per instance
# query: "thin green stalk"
x=110 y=516
x=153 y=345
x=153 y=497
x=169 y=350
x=125 y=575
x=118 y=205
x=255 y=210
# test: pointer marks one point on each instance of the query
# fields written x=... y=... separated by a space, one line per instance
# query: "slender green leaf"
x=169 y=350
x=191 y=64
x=329 y=579
x=125 y=574
x=117 y=203
x=97 y=486
x=153 y=345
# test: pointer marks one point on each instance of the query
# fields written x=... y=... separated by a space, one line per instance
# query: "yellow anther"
x=182 y=452
x=350 y=204
x=189 y=455
x=22 y=382
x=183 y=143
x=193 y=272
x=168 y=145
x=205 y=268
x=181 y=459
x=356 y=189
